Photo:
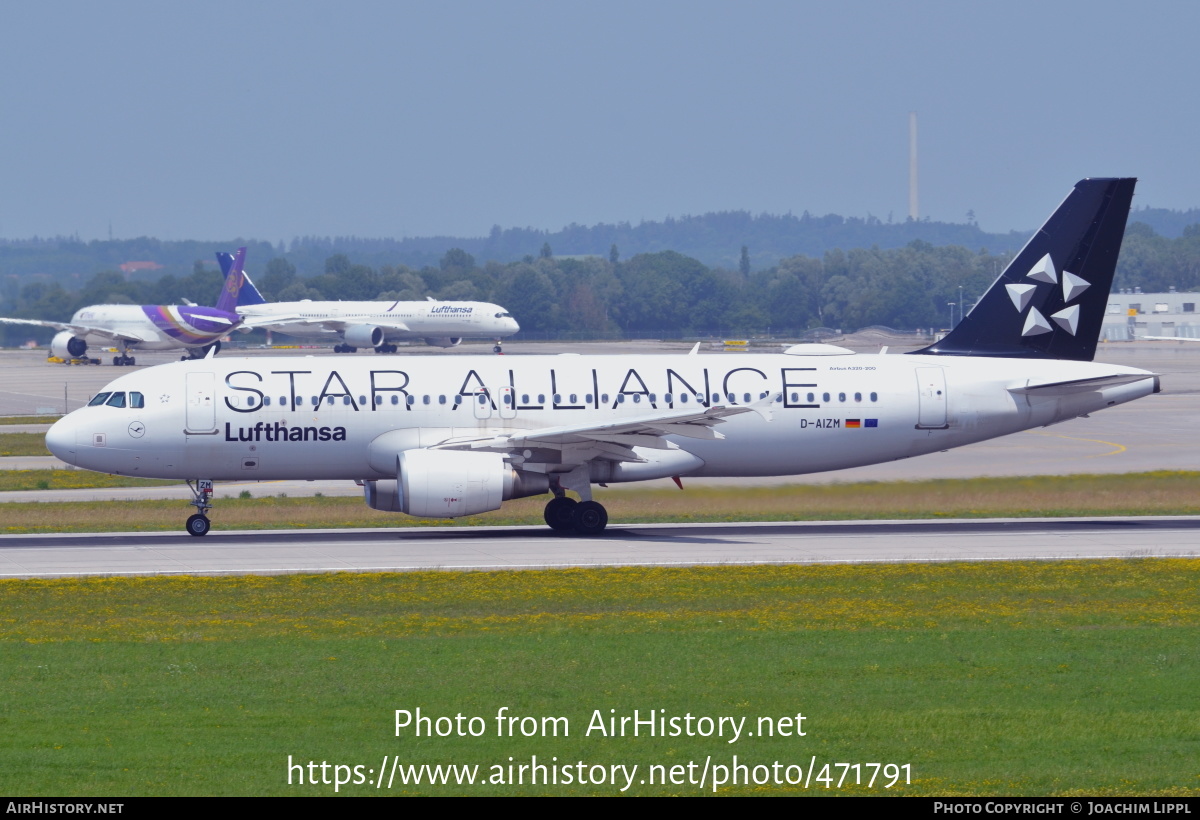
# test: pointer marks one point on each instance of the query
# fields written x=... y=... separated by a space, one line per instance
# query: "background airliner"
x=373 y=324
x=438 y=437
x=148 y=327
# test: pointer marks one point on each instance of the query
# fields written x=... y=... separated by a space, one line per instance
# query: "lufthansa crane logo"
x=1022 y=294
x=137 y=429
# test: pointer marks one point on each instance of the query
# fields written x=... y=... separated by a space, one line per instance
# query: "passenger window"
x=841 y=396
x=573 y=398
x=874 y=397
x=116 y=400
x=604 y=398
x=137 y=400
x=541 y=398
x=588 y=398
x=283 y=401
x=558 y=398
x=411 y=400
x=524 y=398
x=637 y=397
x=395 y=399
x=811 y=398
x=442 y=399
x=858 y=396
x=683 y=398
x=824 y=397
x=266 y=401
x=482 y=399
x=346 y=400
x=746 y=398
x=424 y=399
x=99 y=400
x=621 y=398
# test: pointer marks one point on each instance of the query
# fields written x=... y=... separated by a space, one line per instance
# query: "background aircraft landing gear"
x=123 y=361
x=202 y=490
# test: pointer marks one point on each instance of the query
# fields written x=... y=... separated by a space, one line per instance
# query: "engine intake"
x=66 y=345
x=443 y=341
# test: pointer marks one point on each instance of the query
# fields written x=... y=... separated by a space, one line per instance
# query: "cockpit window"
x=136 y=400
x=99 y=399
x=116 y=400
x=503 y=315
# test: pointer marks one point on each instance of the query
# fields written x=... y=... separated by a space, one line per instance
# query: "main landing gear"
x=124 y=361
x=497 y=349
x=386 y=348
x=345 y=349
x=565 y=514
x=202 y=491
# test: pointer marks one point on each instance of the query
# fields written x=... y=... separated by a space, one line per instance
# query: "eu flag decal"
x=871 y=423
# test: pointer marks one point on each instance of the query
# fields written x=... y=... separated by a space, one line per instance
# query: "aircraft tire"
x=497 y=349
x=116 y=361
x=132 y=361
x=559 y=513
x=589 y=518
x=198 y=525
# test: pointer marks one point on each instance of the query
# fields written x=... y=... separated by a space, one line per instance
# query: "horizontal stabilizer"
x=1066 y=388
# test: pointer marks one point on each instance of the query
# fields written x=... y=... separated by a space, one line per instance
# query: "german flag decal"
x=853 y=423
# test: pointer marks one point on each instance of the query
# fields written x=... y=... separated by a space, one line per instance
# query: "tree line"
x=916 y=286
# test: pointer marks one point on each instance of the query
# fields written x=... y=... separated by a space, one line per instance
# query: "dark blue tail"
x=1050 y=300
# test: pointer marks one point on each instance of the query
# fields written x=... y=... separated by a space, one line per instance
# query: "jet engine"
x=444 y=341
x=363 y=336
x=66 y=345
x=449 y=484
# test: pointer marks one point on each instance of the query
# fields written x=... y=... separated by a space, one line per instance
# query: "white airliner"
x=149 y=327
x=374 y=324
x=438 y=437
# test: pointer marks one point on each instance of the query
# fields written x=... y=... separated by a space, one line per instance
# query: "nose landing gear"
x=202 y=490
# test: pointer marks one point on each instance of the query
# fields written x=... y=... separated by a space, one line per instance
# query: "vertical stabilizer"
x=1050 y=300
x=247 y=294
x=233 y=283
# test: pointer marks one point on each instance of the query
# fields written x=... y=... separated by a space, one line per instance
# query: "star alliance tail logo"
x=1022 y=294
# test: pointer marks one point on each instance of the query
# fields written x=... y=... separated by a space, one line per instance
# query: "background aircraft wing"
x=82 y=330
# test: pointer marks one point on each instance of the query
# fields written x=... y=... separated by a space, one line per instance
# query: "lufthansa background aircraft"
x=439 y=437
x=148 y=327
x=373 y=324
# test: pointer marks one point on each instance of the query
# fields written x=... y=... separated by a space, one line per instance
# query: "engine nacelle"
x=444 y=341
x=66 y=345
x=450 y=483
x=363 y=336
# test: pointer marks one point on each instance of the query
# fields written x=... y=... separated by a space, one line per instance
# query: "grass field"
x=49 y=419
x=23 y=444
x=1054 y=678
x=1159 y=493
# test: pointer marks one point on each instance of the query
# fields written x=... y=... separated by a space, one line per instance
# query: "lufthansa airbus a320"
x=447 y=437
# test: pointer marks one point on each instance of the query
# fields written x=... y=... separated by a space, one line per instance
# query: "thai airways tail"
x=247 y=293
x=1051 y=299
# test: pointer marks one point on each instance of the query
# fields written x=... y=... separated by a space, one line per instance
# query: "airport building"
x=1133 y=314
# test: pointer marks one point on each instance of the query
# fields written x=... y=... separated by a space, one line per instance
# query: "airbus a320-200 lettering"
x=438 y=437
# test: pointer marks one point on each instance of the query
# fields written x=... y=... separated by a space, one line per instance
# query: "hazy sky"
x=269 y=120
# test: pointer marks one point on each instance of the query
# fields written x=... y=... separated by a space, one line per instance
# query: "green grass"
x=70 y=479
x=1024 y=678
x=23 y=444
x=29 y=419
x=1158 y=493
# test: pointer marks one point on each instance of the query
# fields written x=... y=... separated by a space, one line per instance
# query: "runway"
x=529 y=548
x=1156 y=433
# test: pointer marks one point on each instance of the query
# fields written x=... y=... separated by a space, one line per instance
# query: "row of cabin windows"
x=573 y=398
x=118 y=399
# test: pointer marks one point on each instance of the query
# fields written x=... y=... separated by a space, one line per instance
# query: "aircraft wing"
x=83 y=330
x=251 y=321
x=343 y=324
x=614 y=440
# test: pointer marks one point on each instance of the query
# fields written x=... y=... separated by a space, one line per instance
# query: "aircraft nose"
x=60 y=439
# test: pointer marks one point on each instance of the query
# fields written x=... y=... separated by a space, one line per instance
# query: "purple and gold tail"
x=233 y=283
